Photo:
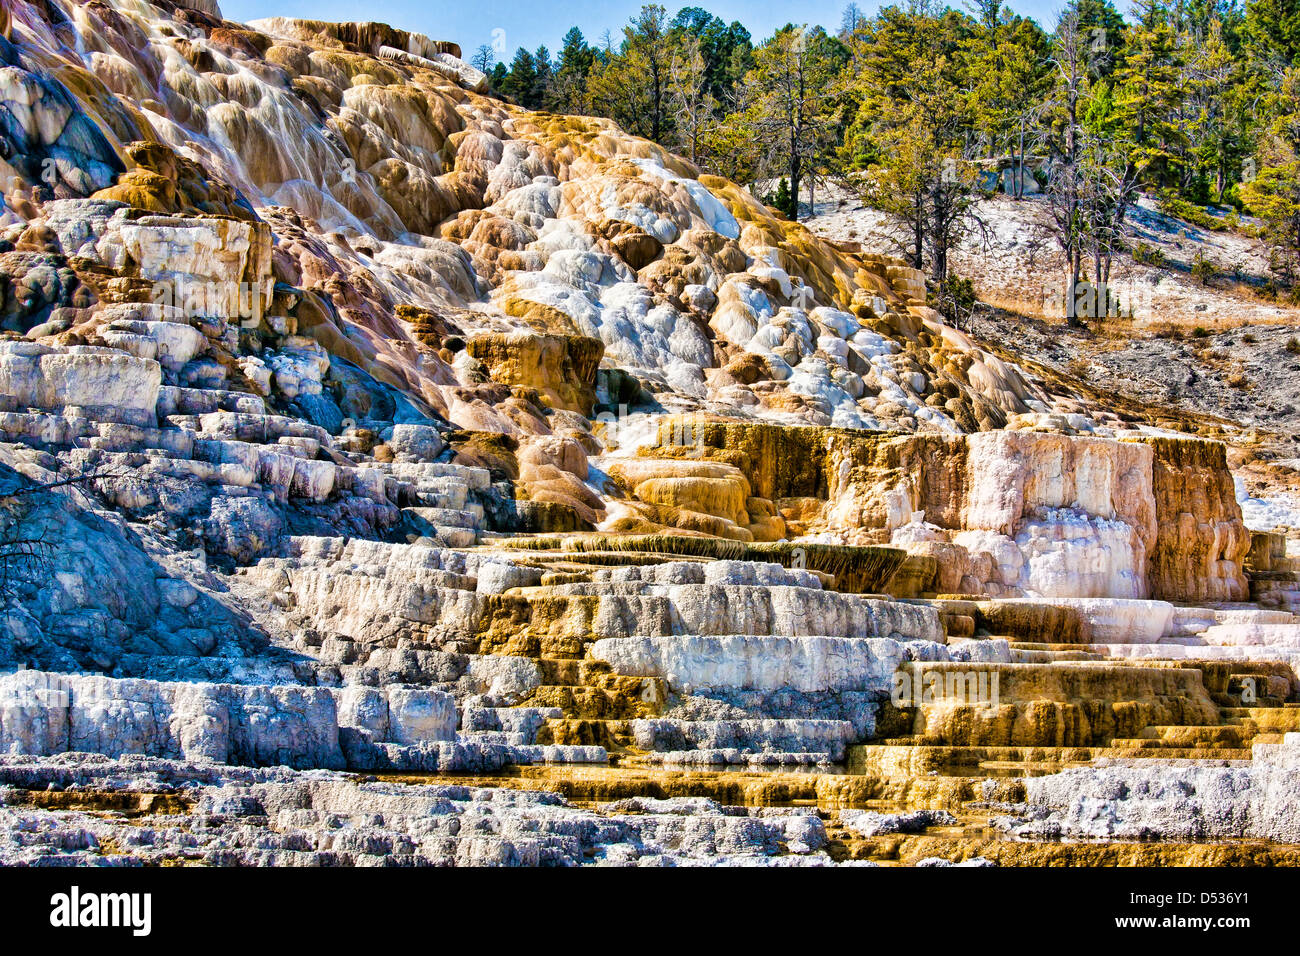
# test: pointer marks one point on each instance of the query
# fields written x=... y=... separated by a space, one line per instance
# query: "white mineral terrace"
x=355 y=421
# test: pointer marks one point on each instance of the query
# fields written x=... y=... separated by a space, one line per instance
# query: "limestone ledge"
x=120 y=387
x=278 y=816
x=825 y=738
x=1129 y=801
x=997 y=513
x=349 y=605
x=44 y=713
x=1114 y=621
x=804 y=664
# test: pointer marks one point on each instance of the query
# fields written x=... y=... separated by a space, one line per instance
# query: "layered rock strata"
x=354 y=419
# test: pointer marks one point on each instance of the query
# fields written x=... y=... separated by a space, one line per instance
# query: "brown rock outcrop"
x=561 y=367
x=1201 y=542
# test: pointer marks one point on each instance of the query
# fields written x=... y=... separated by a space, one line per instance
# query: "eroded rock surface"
x=353 y=419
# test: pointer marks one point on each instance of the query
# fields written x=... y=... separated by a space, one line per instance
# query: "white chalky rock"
x=416 y=442
x=1266 y=514
x=506 y=679
x=37 y=376
x=298 y=372
x=418 y=716
x=989 y=651
x=1251 y=634
x=177 y=343
x=745 y=662
x=1015 y=474
x=313 y=479
x=498 y=577
x=755 y=573
x=44 y=713
x=191 y=250
x=1190 y=803
x=786 y=610
x=1112 y=621
x=799 y=735
x=257 y=372
x=329 y=818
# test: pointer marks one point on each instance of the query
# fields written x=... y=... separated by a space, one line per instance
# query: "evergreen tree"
x=632 y=85
x=521 y=82
x=569 y=88
x=694 y=105
x=1273 y=194
x=724 y=48
x=1101 y=34
x=1149 y=92
x=1217 y=110
x=912 y=129
x=1108 y=184
x=1272 y=29
x=783 y=201
x=543 y=86
x=789 y=101
x=1066 y=186
x=1009 y=63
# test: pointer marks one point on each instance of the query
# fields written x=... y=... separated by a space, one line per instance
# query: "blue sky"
x=531 y=23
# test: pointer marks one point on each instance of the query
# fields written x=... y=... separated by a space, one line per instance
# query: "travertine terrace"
x=391 y=474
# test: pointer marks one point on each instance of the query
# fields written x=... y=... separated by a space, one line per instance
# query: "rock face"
x=1048 y=705
x=1000 y=513
x=1078 y=512
x=116 y=386
x=804 y=664
x=49 y=714
x=1188 y=803
x=279 y=817
x=43 y=713
x=561 y=368
x=55 y=142
x=1202 y=541
x=354 y=419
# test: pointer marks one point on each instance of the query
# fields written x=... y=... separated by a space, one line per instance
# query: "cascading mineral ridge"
x=393 y=474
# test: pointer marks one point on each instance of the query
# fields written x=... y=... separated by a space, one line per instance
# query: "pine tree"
x=632 y=86
x=1273 y=194
x=569 y=87
x=694 y=105
x=1149 y=93
x=1010 y=68
x=1066 y=186
x=1101 y=35
x=851 y=21
x=1108 y=185
x=1217 y=109
x=782 y=201
x=724 y=49
x=520 y=84
x=543 y=85
x=912 y=129
x=789 y=101
x=1272 y=30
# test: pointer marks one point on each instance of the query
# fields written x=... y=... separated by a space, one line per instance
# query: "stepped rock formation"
x=352 y=419
x=1003 y=513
